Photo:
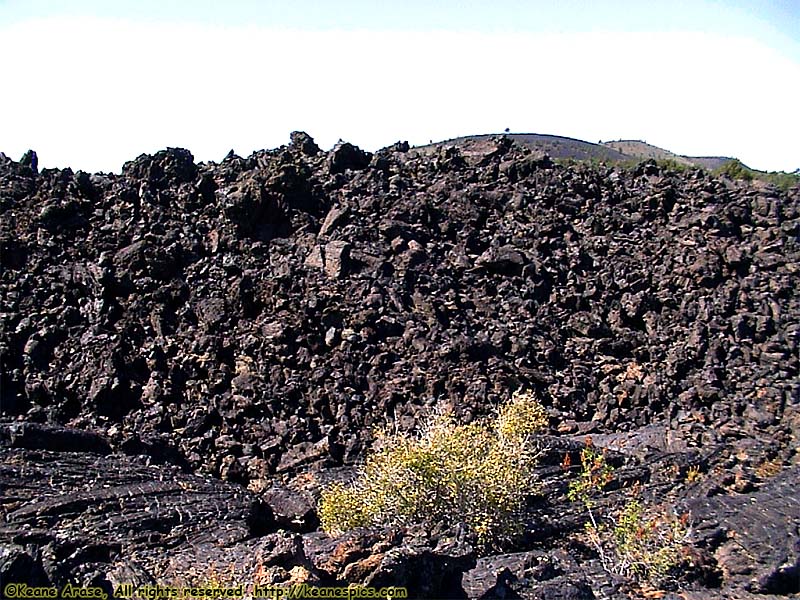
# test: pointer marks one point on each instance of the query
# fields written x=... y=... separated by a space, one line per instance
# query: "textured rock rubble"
x=255 y=318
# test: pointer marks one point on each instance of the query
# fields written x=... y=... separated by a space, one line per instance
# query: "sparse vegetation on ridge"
x=735 y=169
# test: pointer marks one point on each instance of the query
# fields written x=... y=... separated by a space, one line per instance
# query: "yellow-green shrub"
x=480 y=474
x=520 y=419
x=647 y=542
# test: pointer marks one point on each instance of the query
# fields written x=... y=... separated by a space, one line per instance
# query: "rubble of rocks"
x=233 y=327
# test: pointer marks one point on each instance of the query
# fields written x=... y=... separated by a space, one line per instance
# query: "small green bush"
x=647 y=543
x=734 y=169
x=641 y=542
x=480 y=474
x=595 y=474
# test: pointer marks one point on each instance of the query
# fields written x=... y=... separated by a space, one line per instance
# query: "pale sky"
x=91 y=84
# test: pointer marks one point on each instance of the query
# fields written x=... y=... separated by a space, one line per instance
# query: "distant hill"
x=620 y=152
x=555 y=146
x=560 y=147
x=643 y=150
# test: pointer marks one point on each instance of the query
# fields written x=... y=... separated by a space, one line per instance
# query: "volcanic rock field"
x=190 y=352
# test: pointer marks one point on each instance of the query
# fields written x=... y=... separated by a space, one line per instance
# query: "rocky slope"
x=619 y=152
x=240 y=327
x=555 y=146
x=643 y=150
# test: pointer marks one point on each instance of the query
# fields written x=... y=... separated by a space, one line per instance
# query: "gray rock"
x=755 y=535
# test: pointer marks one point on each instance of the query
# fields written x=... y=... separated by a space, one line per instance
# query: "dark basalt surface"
x=218 y=340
